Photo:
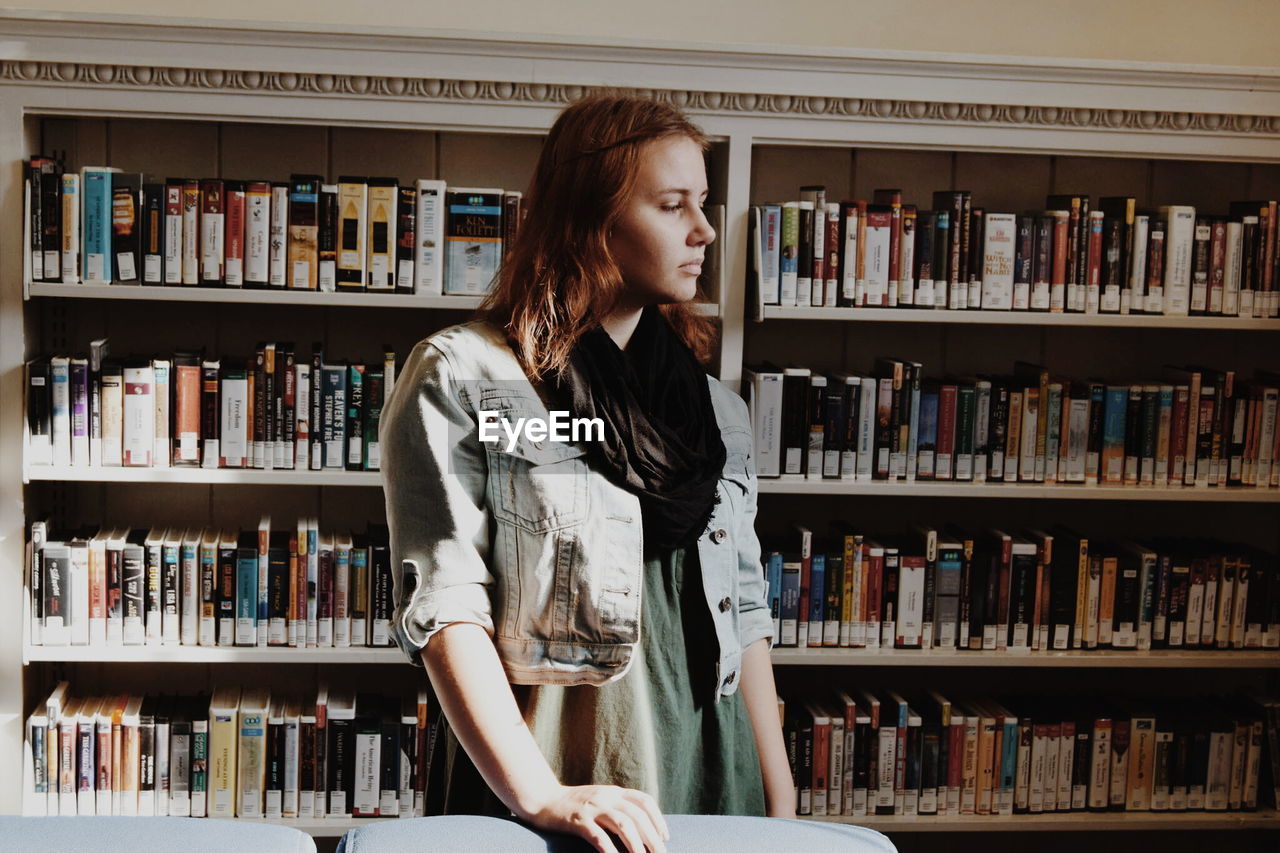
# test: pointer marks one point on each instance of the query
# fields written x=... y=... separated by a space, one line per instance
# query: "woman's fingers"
x=597 y=837
x=649 y=831
x=650 y=806
x=621 y=824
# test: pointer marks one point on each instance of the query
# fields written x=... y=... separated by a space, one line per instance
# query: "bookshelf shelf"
x=1020 y=318
x=241 y=296
x=211 y=654
x=1155 y=659
x=210 y=476
x=1016 y=491
x=1069 y=822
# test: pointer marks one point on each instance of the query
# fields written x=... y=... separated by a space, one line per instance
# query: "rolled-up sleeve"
x=755 y=618
x=434 y=477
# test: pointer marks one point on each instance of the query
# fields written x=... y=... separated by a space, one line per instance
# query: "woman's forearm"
x=476 y=697
x=761 y=698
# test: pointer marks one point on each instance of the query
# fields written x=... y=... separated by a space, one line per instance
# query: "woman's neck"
x=621 y=325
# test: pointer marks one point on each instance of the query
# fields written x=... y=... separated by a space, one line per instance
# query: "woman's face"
x=659 y=240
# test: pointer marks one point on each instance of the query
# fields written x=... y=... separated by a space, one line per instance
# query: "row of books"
x=1035 y=590
x=299 y=586
x=270 y=410
x=105 y=226
x=1195 y=426
x=1114 y=258
x=246 y=754
x=868 y=752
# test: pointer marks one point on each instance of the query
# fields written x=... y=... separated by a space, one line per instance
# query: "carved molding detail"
x=731 y=103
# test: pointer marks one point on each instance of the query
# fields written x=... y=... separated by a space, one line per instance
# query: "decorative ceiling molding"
x=153 y=78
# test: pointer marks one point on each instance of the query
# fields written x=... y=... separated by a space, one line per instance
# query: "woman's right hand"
x=592 y=811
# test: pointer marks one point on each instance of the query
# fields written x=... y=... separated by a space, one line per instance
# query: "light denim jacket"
x=538 y=548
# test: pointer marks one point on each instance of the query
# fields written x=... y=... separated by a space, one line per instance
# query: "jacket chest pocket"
x=537 y=485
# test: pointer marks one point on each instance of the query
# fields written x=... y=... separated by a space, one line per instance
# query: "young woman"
x=591 y=613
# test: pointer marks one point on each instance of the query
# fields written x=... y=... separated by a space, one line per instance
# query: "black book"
x=975 y=249
x=998 y=429
x=147 y=747
x=355 y=417
x=804 y=767
x=834 y=426
x=1093 y=445
x=40 y=409
x=406 y=238
x=50 y=233
x=152 y=233
x=1042 y=262
x=954 y=263
x=339 y=760
x=795 y=395
x=1133 y=435
x=1023 y=261
x=1128 y=598
x=1201 y=243
x=926 y=234
x=273 y=789
x=1064 y=578
x=932 y=767
x=35 y=218
x=804 y=262
x=126 y=226
x=225 y=592
x=914 y=764
x=210 y=411
x=380 y=583
x=279 y=592
x=327 y=237
x=288 y=422
x=390 y=756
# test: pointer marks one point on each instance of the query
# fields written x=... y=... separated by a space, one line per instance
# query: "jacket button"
x=730 y=677
x=718 y=535
x=725 y=604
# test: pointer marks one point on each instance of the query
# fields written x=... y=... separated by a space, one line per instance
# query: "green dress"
x=656 y=729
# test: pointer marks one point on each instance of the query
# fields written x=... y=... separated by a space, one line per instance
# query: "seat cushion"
x=689 y=834
x=143 y=834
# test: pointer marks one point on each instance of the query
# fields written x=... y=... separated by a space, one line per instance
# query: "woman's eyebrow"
x=680 y=191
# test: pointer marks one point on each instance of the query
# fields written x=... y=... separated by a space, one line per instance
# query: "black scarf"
x=661 y=439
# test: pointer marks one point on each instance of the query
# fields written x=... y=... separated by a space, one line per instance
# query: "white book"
x=279 y=236
x=233 y=443
x=251 y=749
x=866 y=427
x=997 y=261
x=162 y=449
x=1132 y=299
x=1231 y=269
x=764 y=400
x=428 y=261
x=876 y=264
x=139 y=415
x=77 y=591
x=910 y=610
x=60 y=376
x=70 y=228
x=173 y=234
x=257 y=235
x=1179 y=239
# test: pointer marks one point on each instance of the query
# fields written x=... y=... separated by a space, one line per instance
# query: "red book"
x=1093 y=281
x=1004 y=543
x=1061 y=243
x=893 y=198
x=833 y=249
x=872 y=591
x=234 y=271
x=186 y=410
x=944 y=468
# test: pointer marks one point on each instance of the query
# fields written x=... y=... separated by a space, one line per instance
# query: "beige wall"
x=1219 y=32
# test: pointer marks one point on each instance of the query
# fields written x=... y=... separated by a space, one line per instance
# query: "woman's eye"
x=672 y=208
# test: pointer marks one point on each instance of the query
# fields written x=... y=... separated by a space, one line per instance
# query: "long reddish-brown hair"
x=559 y=278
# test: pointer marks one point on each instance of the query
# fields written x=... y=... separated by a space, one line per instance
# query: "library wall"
x=1225 y=32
